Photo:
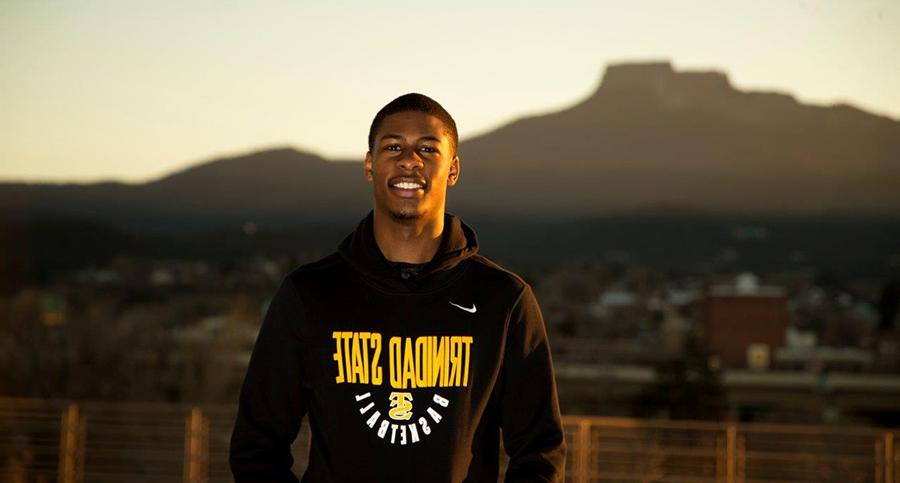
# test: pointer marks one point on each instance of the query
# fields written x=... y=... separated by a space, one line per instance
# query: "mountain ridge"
x=648 y=139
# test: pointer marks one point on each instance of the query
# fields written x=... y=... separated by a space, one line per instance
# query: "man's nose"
x=410 y=160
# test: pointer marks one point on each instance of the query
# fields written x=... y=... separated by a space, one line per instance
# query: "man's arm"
x=271 y=406
x=531 y=423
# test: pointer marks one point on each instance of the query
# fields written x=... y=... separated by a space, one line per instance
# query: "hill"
x=648 y=140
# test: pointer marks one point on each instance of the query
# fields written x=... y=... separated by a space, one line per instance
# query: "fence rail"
x=73 y=442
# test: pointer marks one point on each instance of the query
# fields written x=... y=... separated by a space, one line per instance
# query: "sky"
x=131 y=91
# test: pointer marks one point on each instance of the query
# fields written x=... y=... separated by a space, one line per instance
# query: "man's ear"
x=367 y=166
x=454 y=171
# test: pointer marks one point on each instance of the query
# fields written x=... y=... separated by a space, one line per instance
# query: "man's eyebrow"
x=397 y=136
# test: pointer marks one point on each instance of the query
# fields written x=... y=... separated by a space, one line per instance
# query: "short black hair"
x=415 y=102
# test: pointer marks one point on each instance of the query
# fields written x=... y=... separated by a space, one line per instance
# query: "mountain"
x=652 y=139
x=648 y=140
x=270 y=186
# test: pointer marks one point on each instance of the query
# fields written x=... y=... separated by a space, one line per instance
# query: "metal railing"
x=69 y=442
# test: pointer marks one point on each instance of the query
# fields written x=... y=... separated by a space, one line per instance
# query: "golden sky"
x=127 y=90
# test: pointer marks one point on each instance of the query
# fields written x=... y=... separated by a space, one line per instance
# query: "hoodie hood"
x=361 y=251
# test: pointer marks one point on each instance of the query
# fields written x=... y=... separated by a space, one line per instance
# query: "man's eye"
x=392 y=147
x=429 y=149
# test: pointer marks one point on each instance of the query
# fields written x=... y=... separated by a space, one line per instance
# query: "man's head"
x=412 y=158
x=419 y=103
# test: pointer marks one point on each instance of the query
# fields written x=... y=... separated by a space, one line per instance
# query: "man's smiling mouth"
x=407 y=186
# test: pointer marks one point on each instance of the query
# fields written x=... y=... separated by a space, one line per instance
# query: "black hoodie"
x=405 y=376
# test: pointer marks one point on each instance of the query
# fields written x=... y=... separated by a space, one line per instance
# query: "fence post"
x=583 y=454
x=71 y=445
x=888 y=457
x=730 y=453
x=196 y=447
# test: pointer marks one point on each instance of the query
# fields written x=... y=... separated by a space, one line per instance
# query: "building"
x=744 y=323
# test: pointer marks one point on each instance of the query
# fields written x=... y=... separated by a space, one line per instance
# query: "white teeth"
x=408 y=186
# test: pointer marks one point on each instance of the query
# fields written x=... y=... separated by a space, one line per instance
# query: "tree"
x=685 y=388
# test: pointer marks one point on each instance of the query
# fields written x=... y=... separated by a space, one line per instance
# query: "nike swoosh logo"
x=471 y=311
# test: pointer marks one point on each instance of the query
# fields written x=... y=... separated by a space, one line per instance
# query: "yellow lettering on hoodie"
x=376 y=367
x=338 y=357
x=413 y=362
x=396 y=366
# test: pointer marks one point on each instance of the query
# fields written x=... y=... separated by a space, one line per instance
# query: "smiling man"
x=410 y=352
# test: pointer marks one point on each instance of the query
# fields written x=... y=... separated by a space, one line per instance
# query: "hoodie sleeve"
x=271 y=406
x=531 y=423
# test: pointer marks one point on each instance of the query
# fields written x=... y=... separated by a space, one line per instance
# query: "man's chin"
x=404 y=216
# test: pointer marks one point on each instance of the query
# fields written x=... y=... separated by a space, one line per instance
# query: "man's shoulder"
x=497 y=273
x=315 y=269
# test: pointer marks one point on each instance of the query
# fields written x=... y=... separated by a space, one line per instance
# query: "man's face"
x=411 y=165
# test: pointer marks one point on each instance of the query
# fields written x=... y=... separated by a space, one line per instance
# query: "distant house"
x=743 y=322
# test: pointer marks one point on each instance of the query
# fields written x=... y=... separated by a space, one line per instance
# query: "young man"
x=408 y=350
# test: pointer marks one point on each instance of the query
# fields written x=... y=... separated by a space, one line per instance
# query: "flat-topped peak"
x=659 y=77
x=629 y=73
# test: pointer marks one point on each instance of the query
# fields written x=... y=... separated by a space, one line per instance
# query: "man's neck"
x=411 y=242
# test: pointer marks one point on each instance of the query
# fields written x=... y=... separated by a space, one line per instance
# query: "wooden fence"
x=69 y=442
